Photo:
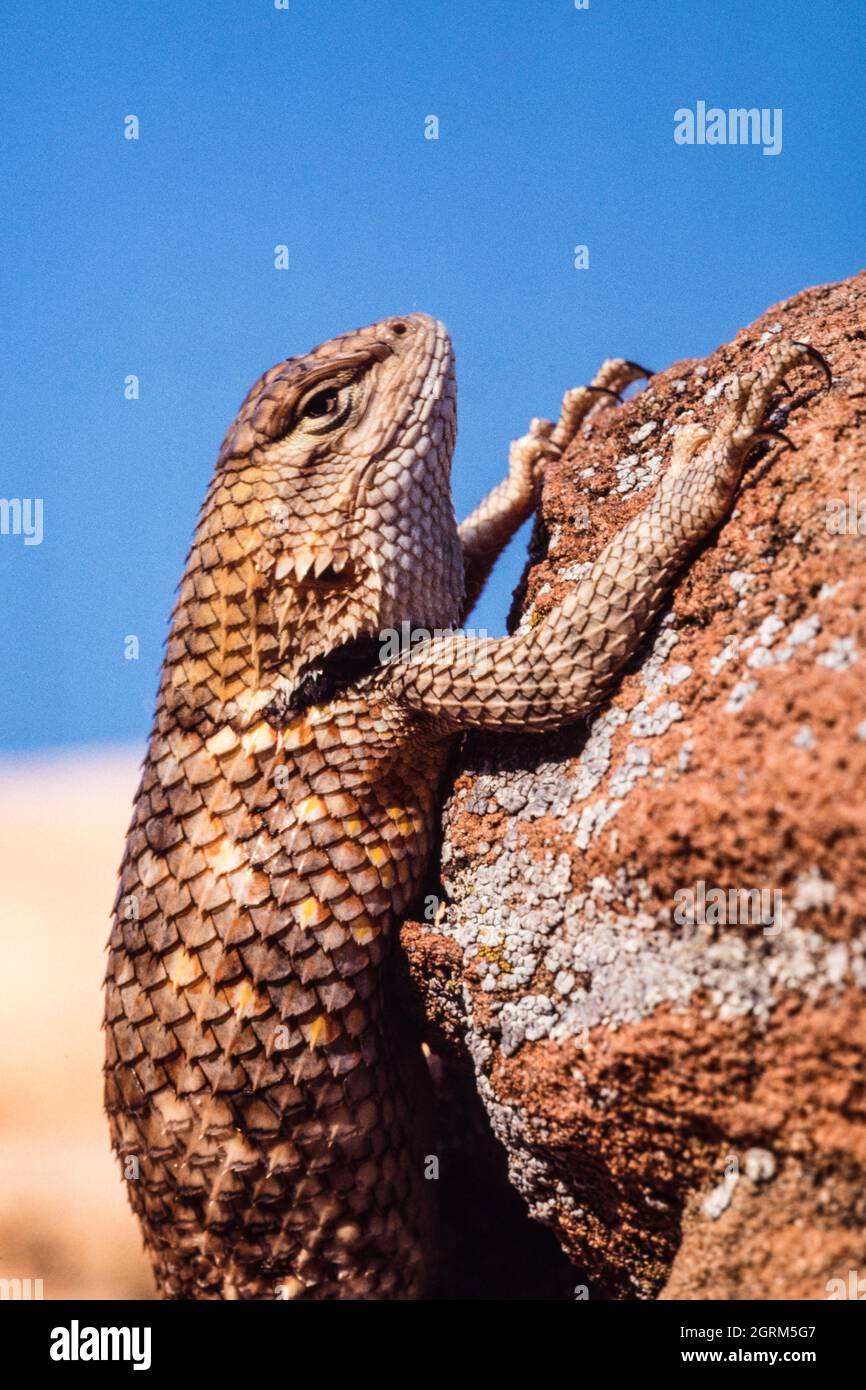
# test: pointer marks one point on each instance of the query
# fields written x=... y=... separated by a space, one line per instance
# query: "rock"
x=628 y=1062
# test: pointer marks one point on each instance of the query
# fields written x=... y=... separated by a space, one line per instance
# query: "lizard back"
x=256 y=1073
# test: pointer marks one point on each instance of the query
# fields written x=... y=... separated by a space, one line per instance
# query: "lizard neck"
x=264 y=605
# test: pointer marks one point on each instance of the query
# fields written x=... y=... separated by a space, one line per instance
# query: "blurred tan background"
x=64 y=1217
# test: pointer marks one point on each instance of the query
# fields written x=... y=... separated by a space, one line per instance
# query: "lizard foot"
x=546 y=440
x=748 y=400
x=528 y=455
x=612 y=378
x=715 y=461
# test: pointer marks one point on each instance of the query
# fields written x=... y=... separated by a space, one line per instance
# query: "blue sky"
x=306 y=127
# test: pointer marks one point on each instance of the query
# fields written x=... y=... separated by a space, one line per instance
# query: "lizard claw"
x=636 y=367
x=603 y=391
x=772 y=437
x=816 y=357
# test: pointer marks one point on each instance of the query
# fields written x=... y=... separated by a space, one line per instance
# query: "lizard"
x=263 y=1093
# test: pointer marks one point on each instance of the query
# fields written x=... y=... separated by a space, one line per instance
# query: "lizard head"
x=330 y=515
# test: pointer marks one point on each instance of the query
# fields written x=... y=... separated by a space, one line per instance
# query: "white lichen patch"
x=635 y=765
x=759 y=1165
x=526 y=1020
x=678 y=673
x=577 y=571
x=716 y=390
x=652 y=674
x=830 y=590
x=611 y=961
x=722 y=658
x=740 y=696
x=651 y=725
x=594 y=760
x=554 y=539
x=804 y=631
x=762 y=646
x=591 y=821
x=635 y=474
x=768 y=335
x=812 y=890
x=740 y=580
x=841 y=654
x=766 y=633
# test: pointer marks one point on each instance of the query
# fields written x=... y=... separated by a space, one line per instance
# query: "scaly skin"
x=257 y=1071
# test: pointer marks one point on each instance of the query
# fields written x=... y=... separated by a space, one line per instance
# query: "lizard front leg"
x=556 y=672
x=489 y=528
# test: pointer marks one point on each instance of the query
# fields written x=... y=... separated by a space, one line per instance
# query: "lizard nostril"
x=399 y=328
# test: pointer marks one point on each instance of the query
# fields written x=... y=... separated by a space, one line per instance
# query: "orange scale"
x=364 y=930
x=311 y=913
x=182 y=969
x=323 y=1030
x=224 y=856
x=244 y=1000
x=311 y=810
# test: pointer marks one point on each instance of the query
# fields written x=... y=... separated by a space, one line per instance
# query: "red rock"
x=624 y=1063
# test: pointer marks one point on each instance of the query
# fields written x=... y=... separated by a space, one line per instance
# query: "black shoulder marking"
x=325 y=677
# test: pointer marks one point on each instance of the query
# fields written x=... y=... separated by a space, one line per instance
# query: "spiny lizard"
x=261 y=1089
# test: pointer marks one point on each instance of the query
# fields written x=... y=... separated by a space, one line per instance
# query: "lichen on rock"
x=633 y=1062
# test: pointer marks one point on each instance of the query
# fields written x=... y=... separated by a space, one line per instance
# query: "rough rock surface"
x=682 y=1106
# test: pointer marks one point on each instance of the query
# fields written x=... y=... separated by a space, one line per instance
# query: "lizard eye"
x=325 y=409
x=321 y=404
